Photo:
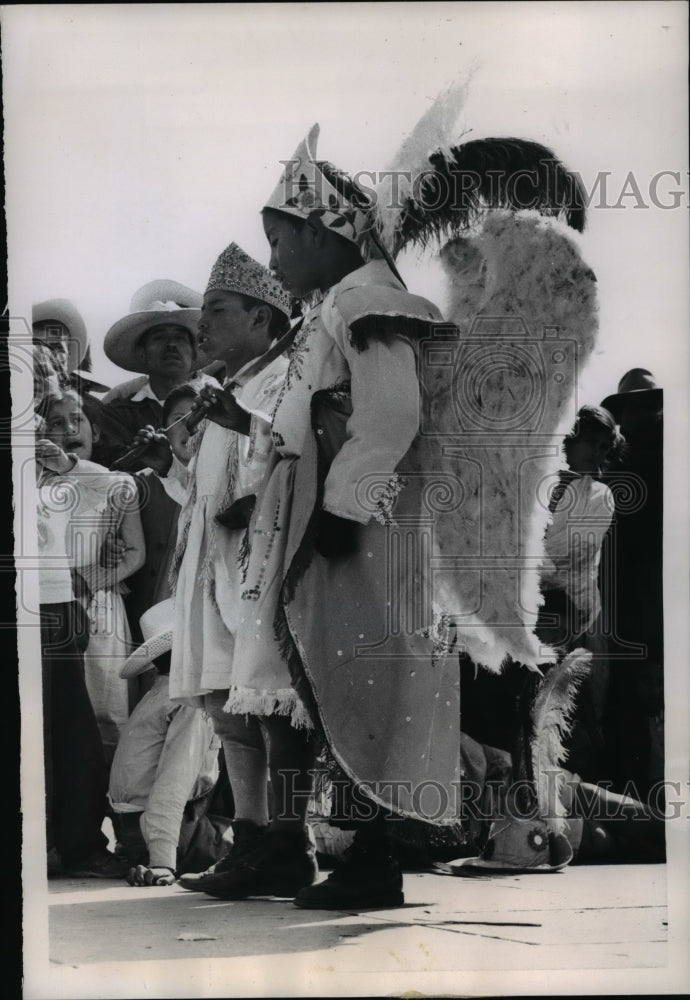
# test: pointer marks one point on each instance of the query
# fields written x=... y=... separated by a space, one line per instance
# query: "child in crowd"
x=105 y=506
x=176 y=409
x=166 y=763
x=75 y=768
x=159 y=504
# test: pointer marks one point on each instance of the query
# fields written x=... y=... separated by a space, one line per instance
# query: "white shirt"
x=146 y=392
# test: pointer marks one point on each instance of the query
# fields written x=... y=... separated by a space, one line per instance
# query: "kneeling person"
x=167 y=757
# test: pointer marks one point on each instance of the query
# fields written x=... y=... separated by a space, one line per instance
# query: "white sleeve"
x=260 y=394
x=384 y=421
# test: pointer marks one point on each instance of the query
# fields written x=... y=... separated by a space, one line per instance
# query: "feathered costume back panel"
x=499 y=385
x=498 y=395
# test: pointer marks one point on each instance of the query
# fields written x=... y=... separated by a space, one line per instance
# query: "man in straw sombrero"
x=157 y=339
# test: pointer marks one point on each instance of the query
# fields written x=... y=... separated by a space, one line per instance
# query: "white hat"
x=63 y=311
x=159 y=302
x=157 y=630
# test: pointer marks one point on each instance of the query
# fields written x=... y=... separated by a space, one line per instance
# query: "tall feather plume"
x=552 y=715
x=434 y=130
x=462 y=183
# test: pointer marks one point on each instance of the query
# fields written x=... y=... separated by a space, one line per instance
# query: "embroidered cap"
x=303 y=190
x=236 y=271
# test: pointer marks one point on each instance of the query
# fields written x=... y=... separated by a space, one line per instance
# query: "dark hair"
x=279 y=322
x=595 y=418
x=346 y=186
x=92 y=407
x=184 y=391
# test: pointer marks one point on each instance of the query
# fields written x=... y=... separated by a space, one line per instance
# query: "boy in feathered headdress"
x=319 y=539
x=343 y=529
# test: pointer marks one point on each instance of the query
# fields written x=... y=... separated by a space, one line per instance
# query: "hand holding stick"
x=220 y=406
x=143 y=441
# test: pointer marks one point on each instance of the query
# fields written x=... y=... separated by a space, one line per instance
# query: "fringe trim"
x=383 y=327
x=285 y=701
x=290 y=654
x=243 y=554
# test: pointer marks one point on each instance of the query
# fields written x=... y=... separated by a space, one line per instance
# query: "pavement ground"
x=454 y=936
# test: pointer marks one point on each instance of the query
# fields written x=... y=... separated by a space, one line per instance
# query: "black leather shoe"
x=367 y=878
x=280 y=865
x=245 y=837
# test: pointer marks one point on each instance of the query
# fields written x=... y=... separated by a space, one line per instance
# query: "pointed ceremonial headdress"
x=305 y=190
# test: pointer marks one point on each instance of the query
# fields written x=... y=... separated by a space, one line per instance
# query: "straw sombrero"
x=63 y=311
x=157 y=629
x=159 y=302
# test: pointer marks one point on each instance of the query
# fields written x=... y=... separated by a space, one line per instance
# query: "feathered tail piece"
x=462 y=182
x=551 y=719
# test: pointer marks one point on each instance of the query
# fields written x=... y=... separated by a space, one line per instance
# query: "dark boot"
x=367 y=877
x=245 y=837
x=280 y=865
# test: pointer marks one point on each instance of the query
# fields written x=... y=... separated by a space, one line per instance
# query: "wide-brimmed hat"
x=157 y=629
x=160 y=302
x=515 y=847
x=637 y=387
x=84 y=381
x=65 y=312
